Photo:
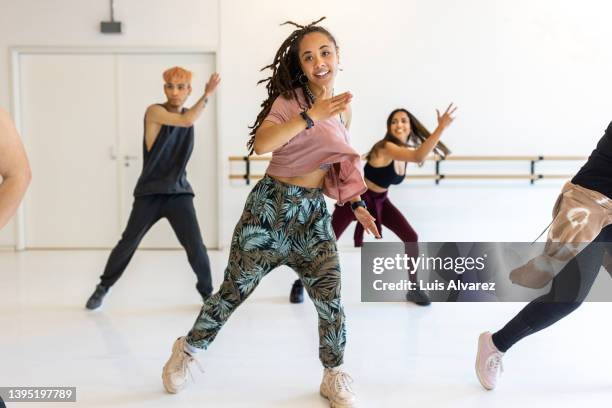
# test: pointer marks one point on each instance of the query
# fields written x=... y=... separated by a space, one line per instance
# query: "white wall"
x=529 y=78
x=180 y=23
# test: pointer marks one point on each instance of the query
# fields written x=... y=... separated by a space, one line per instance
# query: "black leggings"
x=569 y=289
x=146 y=211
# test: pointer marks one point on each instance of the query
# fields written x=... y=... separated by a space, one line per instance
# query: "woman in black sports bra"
x=407 y=140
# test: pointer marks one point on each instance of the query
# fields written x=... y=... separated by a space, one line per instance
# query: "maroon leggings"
x=385 y=213
x=383 y=210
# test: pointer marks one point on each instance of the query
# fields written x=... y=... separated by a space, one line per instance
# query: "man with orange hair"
x=162 y=190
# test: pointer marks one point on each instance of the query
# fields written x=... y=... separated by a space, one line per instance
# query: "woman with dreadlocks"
x=285 y=219
x=386 y=165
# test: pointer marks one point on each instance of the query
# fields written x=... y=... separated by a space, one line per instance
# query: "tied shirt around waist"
x=324 y=145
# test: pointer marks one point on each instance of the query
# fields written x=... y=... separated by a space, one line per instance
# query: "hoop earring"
x=302 y=79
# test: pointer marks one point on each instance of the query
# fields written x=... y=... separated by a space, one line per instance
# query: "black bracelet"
x=308 y=119
x=359 y=203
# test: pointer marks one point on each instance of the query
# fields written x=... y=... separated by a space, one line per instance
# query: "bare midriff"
x=313 y=179
x=374 y=187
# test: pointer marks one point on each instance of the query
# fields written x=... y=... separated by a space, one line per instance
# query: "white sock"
x=336 y=368
x=189 y=349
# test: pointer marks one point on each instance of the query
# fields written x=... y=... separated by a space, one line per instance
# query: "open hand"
x=446 y=118
x=211 y=85
x=365 y=218
x=326 y=107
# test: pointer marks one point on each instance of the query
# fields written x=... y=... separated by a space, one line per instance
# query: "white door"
x=82 y=119
x=70 y=130
x=140 y=84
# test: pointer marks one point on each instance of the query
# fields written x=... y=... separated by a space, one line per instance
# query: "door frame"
x=16 y=110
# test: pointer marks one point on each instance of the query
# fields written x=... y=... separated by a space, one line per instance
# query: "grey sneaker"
x=175 y=371
x=336 y=387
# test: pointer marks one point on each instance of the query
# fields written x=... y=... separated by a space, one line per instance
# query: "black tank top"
x=382 y=176
x=163 y=168
x=596 y=174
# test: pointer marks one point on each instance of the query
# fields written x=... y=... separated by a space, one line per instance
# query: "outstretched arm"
x=161 y=116
x=418 y=155
x=157 y=116
x=14 y=169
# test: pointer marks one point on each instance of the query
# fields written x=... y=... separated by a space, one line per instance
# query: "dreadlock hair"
x=287 y=73
x=418 y=134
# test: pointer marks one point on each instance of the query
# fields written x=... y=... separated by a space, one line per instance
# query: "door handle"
x=129 y=158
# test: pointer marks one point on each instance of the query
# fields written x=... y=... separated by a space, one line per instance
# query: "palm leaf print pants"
x=289 y=225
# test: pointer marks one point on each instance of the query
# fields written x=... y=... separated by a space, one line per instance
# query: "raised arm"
x=270 y=136
x=157 y=114
x=418 y=155
x=14 y=169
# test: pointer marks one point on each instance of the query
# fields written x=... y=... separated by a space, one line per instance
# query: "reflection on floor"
x=266 y=356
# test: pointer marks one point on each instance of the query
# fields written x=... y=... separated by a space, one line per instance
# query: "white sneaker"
x=337 y=389
x=175 y=371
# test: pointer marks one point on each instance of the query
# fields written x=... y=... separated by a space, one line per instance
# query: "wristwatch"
x=309 y=122
x=359 y=203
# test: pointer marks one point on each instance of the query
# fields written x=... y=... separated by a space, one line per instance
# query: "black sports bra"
x=382 y=176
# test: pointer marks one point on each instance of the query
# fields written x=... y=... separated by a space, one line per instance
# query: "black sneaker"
x=297 y=292
x=95 y=300
x=418 y=297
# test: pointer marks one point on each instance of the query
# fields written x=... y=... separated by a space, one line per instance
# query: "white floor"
x=399 y=355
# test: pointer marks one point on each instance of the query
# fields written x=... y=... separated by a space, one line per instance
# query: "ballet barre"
x=532 y=176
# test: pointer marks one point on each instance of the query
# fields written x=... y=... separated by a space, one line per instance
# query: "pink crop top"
x=327 y=143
